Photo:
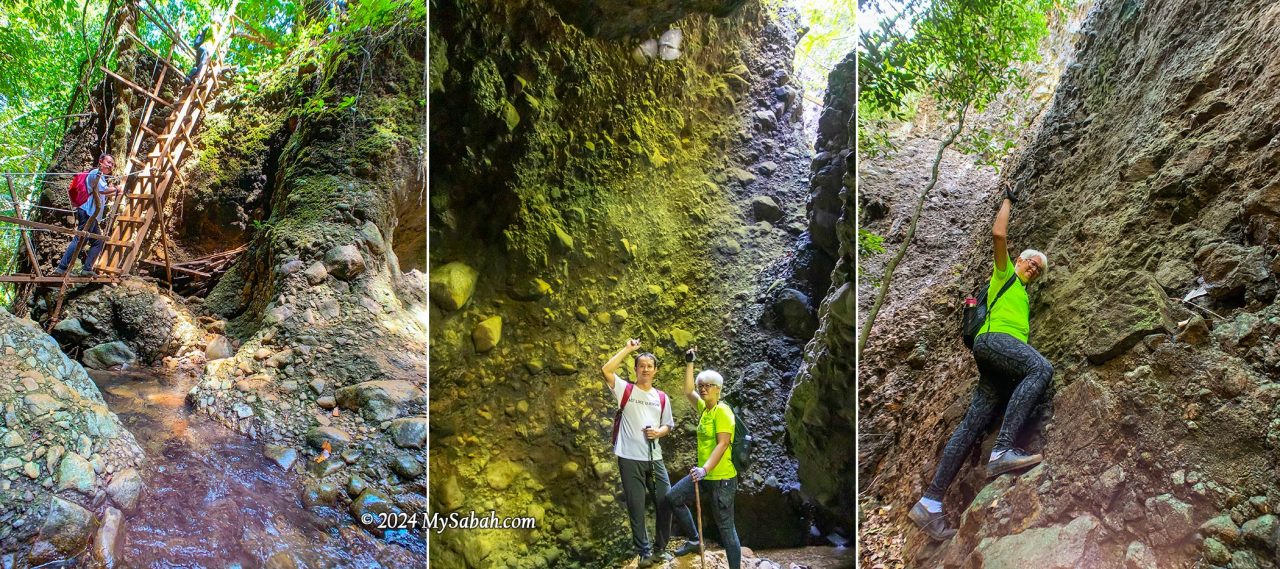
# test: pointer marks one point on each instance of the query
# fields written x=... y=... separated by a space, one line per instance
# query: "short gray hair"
x=711 y=377
x=1044 y=261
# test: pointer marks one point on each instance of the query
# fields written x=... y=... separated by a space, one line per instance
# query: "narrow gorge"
x=1150 y=181
x=606 y=171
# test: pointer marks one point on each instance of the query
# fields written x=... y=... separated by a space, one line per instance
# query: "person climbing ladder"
x=1007 y=367
x=90 y=190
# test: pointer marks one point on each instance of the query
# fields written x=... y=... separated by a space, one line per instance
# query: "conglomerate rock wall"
x=820 y=413
x=1152 y=186
x=585 y=192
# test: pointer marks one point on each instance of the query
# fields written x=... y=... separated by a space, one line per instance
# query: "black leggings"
x=1004 y=363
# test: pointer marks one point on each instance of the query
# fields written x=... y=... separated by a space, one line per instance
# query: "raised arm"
x=690 y=390
x=999 y=231
x=611 y=367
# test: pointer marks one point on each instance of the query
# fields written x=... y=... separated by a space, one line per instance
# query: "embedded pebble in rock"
x=338 y=439
x=410 y=432
x=125 y=489
x=75 y=473
x=487 y=334
x=219 y=348
x=344 y=262
x=242 y=410
x=66 y=531
x=452 y=285
x=316 y=273
x=291 y=266
x=13 y=439
x=765 y=208
x=407 y=466
x=380 y=400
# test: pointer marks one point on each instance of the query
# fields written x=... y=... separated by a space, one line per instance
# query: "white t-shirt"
x=642 y=410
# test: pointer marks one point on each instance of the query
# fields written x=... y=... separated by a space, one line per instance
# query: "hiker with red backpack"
x=88 y=193
x=643 y=417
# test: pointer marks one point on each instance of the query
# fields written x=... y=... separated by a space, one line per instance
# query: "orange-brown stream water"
x=213 y=500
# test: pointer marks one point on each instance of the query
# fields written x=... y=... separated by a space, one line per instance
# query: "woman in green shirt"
x=1008 y=368
x=715 y=474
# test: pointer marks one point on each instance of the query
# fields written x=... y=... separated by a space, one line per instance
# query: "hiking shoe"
x=87 y=273
x=657 y=559
x=645 y=561
x=57 y=272
x=1011 y=459
x=933 y=524
x=687 y=548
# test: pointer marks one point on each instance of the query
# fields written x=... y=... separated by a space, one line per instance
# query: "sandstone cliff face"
x=1151 y=180
x=582 y=194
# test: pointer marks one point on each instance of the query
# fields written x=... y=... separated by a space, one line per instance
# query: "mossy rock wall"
x=592 y=191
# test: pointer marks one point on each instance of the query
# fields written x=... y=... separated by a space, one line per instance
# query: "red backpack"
x=626 y=396
x=78 y=192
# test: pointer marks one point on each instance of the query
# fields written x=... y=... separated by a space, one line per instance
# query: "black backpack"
x=743 y=444
x=976 y=315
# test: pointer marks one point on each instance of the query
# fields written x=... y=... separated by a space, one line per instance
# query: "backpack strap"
x=662 y=404
x=617 y=418
x=626 y=396
x=1006 y=286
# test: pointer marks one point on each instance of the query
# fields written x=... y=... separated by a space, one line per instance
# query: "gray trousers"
x=635 y=486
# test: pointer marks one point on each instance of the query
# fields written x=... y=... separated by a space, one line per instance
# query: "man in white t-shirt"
x=645 y=417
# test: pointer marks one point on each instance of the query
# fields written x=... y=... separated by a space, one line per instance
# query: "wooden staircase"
x=145 y=181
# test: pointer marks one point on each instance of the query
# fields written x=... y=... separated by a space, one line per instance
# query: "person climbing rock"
x=89 y=214
x=714 y=474
x=1007 y=367
x=643 y=417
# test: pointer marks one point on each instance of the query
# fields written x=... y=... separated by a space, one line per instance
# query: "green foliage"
x=829 y=38
x=42 y=43
x=961 y=54
x=869 y=244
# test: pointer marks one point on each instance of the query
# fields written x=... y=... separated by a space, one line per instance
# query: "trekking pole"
x=702 y=538
x=652 y=488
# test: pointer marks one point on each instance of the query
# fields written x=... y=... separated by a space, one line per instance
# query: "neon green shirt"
x=1012 y=315
x=719 y=420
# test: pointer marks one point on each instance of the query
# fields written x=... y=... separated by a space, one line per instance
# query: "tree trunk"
x=911 y=232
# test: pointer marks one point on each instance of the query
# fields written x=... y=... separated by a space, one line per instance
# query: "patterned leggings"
x=1004 y=363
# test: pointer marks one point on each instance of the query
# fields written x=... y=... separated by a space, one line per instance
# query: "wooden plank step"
x=142 y=91
x=53 y=228
x=178 y=269
x=50 y=280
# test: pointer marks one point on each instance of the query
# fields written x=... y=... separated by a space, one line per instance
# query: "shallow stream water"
x=212 y=499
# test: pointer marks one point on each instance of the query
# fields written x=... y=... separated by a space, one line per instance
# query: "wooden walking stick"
x=702 y=538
